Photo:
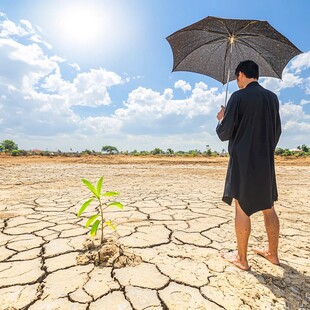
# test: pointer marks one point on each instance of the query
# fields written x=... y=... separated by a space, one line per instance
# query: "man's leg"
x=243 y=230
x=272 y=228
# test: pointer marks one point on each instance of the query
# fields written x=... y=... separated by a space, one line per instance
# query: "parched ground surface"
x=173 y=219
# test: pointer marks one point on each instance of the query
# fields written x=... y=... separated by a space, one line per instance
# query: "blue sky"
x=82 y=74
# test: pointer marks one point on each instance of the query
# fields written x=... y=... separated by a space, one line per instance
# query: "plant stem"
x=102 y=221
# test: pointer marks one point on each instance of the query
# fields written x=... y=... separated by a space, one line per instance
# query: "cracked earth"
x=173 y=219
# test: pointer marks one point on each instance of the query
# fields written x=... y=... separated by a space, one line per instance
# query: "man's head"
x=246 y=72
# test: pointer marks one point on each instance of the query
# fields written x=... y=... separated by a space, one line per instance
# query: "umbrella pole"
x=228 y=72
x=226 y=91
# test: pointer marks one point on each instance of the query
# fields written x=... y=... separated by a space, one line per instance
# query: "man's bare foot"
x=266 y=254
x=233 y=258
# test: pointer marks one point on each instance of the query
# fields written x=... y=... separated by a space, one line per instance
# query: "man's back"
x=252 y=125
x=257 y=124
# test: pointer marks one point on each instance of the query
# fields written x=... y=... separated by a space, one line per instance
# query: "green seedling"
x=98 y=219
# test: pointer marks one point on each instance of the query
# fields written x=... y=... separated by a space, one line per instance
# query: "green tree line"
x=10 y=147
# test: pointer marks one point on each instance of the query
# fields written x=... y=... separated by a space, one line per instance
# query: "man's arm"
x=227 y=125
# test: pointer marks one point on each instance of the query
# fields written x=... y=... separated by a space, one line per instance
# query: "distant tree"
x=157 y=151
x=110 y=149
x=15 y=153
x=305 y=148
x=8 y=146
x=279 y=151
x=170 y=151
x=209 y=152
x=144 y=153
x=287 y=152
x=192 y=152
x=87 y=152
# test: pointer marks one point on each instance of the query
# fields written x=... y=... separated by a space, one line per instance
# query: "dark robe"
x=252 y=125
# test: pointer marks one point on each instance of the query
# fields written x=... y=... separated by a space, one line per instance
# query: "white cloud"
x=306 y=85
x=27 y=25
x=149 y=111
x=91 y=88
x=9 y=29
x=183 y=85
x=301 y=62
x=295 y=125
x=304 y=102
x=291 y=111
x=289 y=80
x=87 y=89
x=57 y=58
x=103 y=125
x=75 y=66
x=41 y=71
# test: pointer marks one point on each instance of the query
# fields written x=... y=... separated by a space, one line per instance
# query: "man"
x=251 y=123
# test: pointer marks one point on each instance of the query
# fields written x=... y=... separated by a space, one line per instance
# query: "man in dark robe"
x=251 y=123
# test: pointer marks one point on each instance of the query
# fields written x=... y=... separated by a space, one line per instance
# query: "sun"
x=83 y=30
x=80 y=24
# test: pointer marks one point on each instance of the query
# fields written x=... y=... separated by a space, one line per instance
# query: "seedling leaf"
x=85 y=205
x=110 y=194
x=99 y=185
x=91 y=219
x=91 y=187
x=116 y=204
x=94 y=228
x=109 y=223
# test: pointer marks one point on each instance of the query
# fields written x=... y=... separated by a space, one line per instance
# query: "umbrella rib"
x=287 y=42
x=247 y=25
x=224 y=23
x=260 y=54
x=261 y=46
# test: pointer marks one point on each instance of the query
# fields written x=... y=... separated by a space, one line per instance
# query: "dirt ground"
x=159 y=159
x=173 y=220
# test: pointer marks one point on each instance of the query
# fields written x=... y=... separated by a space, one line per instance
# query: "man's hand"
x=220 y=114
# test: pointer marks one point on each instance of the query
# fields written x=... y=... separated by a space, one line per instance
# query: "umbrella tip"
x=232 y=39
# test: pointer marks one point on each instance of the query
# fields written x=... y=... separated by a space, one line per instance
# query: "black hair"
x=249 y=68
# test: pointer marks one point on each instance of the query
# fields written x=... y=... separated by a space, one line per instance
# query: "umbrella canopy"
x=215 y=46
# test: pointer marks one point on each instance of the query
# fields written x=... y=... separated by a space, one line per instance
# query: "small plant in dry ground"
x=106 y=252
x=99 y=219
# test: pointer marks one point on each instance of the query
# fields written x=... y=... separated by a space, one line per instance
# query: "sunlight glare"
x=93 y=28
x=81 y=24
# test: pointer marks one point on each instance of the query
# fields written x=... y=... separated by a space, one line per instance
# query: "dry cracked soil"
x=174 y=220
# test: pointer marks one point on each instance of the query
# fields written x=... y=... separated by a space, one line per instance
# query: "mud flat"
x=173 y=219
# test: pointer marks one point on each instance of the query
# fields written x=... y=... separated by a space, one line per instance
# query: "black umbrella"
x=215 y=46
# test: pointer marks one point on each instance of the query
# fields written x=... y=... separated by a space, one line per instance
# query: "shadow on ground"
x=293 y=286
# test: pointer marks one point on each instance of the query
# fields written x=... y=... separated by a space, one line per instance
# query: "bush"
x=19 y=153
x=287 y=152
x=279 y=151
